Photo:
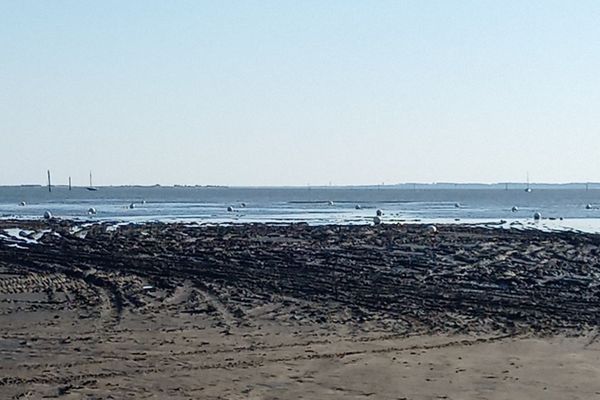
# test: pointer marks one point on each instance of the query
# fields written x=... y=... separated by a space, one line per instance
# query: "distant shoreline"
x=401 y=186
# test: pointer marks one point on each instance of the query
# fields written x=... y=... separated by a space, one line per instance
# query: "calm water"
x=209 y=204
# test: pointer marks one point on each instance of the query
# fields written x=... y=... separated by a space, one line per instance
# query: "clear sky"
x=299 y=92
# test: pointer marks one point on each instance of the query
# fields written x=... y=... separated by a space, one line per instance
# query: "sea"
x=561 y=208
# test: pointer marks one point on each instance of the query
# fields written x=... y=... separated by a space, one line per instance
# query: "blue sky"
x=292 y=93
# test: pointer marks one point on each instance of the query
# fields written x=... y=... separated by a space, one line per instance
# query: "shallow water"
x=311 y=205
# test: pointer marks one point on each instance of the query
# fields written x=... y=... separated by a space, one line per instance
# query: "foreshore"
x=243 y=311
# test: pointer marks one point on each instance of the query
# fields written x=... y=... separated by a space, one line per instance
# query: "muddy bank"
x=402 y=277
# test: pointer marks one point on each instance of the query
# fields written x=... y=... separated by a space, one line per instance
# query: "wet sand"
x=286 y=312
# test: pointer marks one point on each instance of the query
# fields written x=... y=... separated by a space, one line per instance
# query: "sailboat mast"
x=69 y=183
x=91 y=186
x=528 y=189
x=49 y=182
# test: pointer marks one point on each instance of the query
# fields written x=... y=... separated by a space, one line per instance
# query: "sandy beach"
x=255 y=311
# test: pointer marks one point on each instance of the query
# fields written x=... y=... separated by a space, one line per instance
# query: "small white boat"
x=528 y=189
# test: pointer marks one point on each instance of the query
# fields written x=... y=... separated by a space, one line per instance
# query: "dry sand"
x=255 y=312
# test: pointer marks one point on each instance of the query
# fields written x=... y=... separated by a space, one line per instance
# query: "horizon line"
x=449 y=183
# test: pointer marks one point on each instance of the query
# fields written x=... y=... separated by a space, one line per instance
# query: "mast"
x=69 y=183
x=91 y=187
x=49 y=182
x=528 y=190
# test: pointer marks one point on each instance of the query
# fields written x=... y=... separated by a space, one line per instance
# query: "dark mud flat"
x=144 y=310
x=460 y=279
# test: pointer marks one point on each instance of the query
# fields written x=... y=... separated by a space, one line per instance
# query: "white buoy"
x=22 y=204
x=377 y=220
x=537 y=216
x=92 y=211
x=229 y=209
x=515 y=209
x=358 y=207
x=588 y=207
x=379 y=213
x=131 y=206
x=47 y=215
x=432 y=229
x=330 y=202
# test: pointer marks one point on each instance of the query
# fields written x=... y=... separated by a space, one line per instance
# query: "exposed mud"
x=85 y=306
x=461 y=279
